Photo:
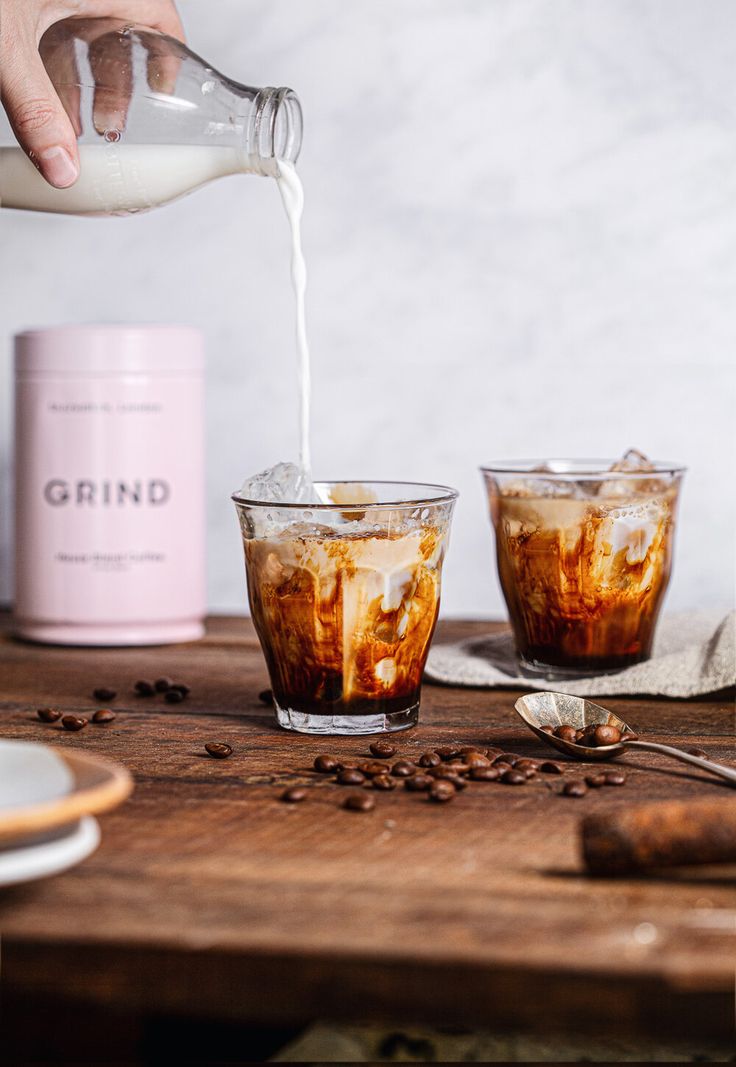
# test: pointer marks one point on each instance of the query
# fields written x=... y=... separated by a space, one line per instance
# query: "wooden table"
x=208 y=896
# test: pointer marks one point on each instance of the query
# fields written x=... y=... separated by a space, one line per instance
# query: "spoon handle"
x=697 y=761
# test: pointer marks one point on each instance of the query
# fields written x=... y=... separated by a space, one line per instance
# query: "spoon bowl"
x=557 y=709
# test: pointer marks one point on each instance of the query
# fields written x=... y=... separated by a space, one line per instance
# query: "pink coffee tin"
x=109 y=483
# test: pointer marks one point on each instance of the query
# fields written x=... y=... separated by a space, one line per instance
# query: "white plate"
x=57 y=851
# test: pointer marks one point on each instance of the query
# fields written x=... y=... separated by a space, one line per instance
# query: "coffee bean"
x=48 y=714
x=294 y=795
x=475 y=759
x=73 y=722
x=103 y=715
x=513 y=777
x=586 y=736
x=173 y=696
x=550 y=767
x=446 y=752
x=325 y=764
x=418 y=783
x=350 y=777
x=458 y=766
x=484 y=774
x=527 y=767
x=359 y=802
x=429 y=759
x=104 y=695
x=501 y=758
x=502 y=767
x=606 y=735
x=441 y=791
x=492 y=752
x=385 y=782
x=162 y=684
x=265 y=696
x=629 y=735
x=595 y=781
x=697 y=752
x=403 y=769
x=574 y=788
x=443 y=771
x=457 y=781
x=566 y=733
x=218 y=749
x=181 y=688
x=347 y=765
x=615 y=778
x=548 y=728
x=372 y=768
x=383 y=749
x=144 y=689
x=471 y=750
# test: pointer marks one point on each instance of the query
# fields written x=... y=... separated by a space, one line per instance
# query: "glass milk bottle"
x=154 y=122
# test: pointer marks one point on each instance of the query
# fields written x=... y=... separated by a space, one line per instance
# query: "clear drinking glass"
x=344 y=596
x=153 y=122
x=584 y=555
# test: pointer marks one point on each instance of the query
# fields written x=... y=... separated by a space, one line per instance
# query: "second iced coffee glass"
x=344 y=597
x=584 y=552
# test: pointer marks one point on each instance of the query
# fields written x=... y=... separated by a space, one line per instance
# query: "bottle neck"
x=274 y=130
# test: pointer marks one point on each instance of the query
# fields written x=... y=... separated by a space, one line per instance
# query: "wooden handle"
x=668 y=834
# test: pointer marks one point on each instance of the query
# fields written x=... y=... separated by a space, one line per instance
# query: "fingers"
x=110 y=62
x=36 y=114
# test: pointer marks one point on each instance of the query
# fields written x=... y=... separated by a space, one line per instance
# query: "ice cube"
x=285 y=483
x=635 y=462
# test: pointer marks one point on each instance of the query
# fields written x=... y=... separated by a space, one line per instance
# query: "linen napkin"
x=693 y=655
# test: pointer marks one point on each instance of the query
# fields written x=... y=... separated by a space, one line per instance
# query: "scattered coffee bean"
x=185 y=690
x=350 y=777
x=615 y=778
x=384 y=782
x=475 y=759
x=162 y=684
x=429 y=759
x=48 y=714
x=527 y=767
x=383 y=749
x=104 y=695
x=443 y=771
x=403 y=769
x=492 y=752
x=325 y=764
x=550 y=767
x=265 y=696
x=173 y=696
x=441 y=791
x=372 y=768
x=359 y=802
x=513 y=777
x=294 y=795
x=566 y=733
x=548 y=728
x=504 y=757
x=697 y=752
x=144 y=689
x=501 y=766
x=218 y=749
x=457 y=766
x=73 y=722
x=574 y=788
x=418 y=783
x=484 y=774
x=103 y=715
x=606 y=735
x=446 y=752
x=457 y=781
x=595 y=781
x=471 y=750
x=346 y=765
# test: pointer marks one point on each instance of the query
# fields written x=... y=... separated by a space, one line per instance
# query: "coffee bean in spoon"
x=605 y=735
x=566 y=733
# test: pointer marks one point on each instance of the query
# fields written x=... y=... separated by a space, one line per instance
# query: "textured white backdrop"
x=521 y=238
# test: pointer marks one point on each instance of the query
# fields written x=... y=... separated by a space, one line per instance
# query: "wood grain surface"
x=211 y=897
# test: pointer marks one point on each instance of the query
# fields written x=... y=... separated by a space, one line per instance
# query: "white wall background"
x=521 y=237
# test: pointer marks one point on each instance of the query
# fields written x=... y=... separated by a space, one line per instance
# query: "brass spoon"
x=554 y=709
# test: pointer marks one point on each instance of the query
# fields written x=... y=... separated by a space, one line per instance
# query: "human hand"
x=47 y=127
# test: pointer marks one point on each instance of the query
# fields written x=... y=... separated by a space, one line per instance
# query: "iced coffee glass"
x=344 y=596
x=584 y=551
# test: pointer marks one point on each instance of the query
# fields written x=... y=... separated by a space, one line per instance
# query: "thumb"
x=38 y=119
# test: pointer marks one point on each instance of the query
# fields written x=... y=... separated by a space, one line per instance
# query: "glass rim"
x=445 y=495
x=579 y=469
